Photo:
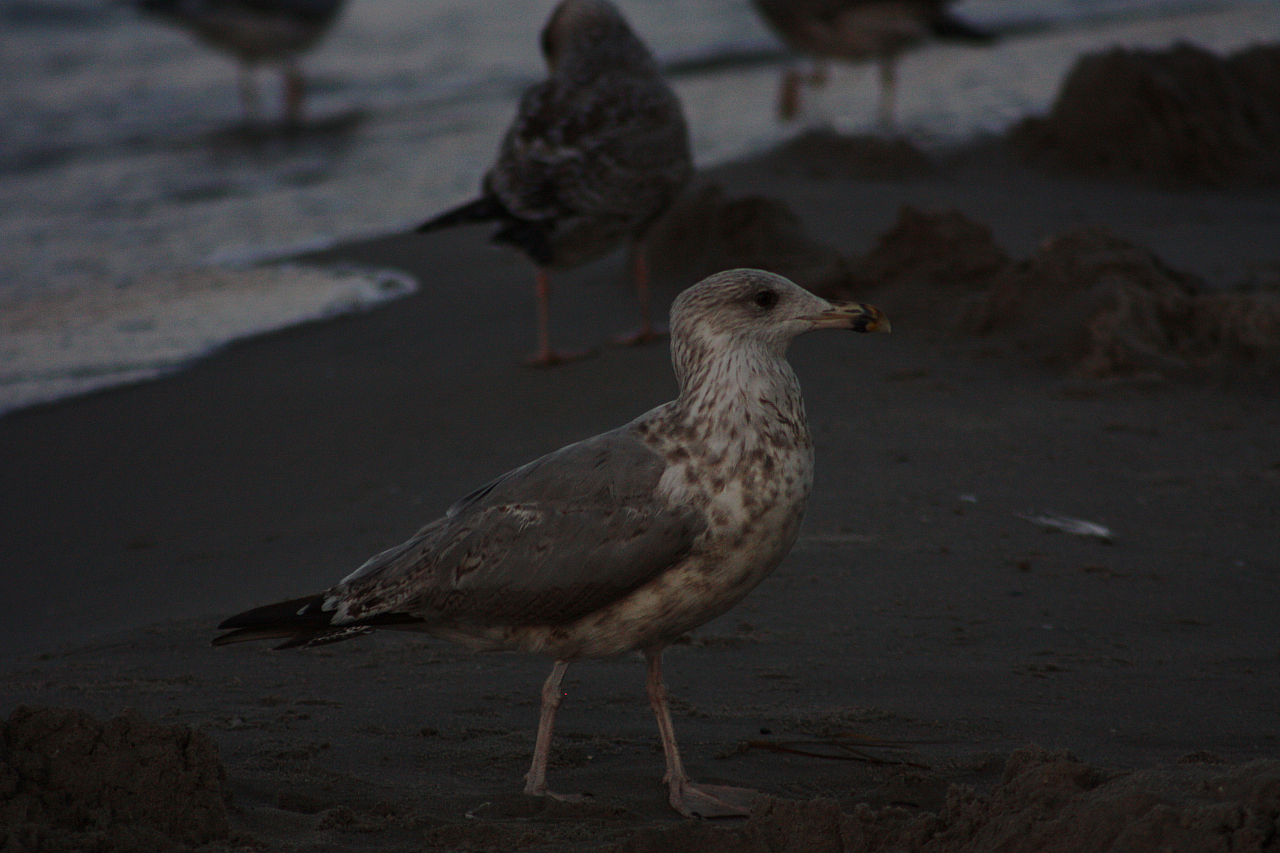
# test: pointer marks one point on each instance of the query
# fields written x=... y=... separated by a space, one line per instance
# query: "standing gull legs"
x=256 y=32
x=855 y=31
x=622 y=542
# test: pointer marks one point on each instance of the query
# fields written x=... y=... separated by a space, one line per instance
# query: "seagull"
x=620 y=542
x=596 y=153
x=256 y=32
x=857 y=30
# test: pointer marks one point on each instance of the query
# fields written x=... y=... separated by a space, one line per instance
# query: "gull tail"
x=302 y=622
x=533 y=237
x=947 y=26
x=484 y=209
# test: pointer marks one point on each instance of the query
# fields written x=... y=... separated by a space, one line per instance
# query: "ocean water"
x=140 y=215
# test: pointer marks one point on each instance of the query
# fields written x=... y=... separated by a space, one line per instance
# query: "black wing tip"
x=296 y=613
x=245 y=635
x=947 y=26
x=301 y=622
x=484 y=209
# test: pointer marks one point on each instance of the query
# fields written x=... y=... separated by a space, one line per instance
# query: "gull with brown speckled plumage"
x=620 y=542
x=596 y=153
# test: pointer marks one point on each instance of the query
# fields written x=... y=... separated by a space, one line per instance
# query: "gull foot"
x=544 y=791
x=645 y=335
x=707 y=801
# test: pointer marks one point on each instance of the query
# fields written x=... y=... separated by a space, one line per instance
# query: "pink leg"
x=295 y=93
x=687 y=798
x=546 y=356
x=535 y=781
x=248 y=94
x=789 y=95
x=888 y=91
x=648 y=332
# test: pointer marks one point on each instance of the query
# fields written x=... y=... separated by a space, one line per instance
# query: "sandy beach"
x=935 y=666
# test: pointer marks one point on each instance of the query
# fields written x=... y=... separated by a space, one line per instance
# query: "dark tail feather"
x=484 y=209
x=302 y=622
x=947 y=26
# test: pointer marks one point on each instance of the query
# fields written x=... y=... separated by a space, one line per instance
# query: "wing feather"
x=597 y=153
x=547 y=543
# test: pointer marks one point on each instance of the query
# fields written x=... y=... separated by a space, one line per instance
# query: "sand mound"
x=928 y=265
x=1046 y=802
x=1182 y=117
x=69 y=782
x=1088 y=302
x=706 y=232
x=1102 y=306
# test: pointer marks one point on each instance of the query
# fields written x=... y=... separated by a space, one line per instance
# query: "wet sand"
x=921 y=633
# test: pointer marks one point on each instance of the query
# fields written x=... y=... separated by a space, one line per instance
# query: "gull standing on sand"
x=620 y=542
x=256 y=32
x=857 y=30
x=596 y=153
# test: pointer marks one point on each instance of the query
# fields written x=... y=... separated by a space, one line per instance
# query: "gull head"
x=752 y=311
x=585 y=38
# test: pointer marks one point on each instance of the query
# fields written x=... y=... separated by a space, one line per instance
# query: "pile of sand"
x=706 y=232
x=1180 y=117
x=1046 y=802
x=69 y=782
x=926 y=268
x=1087 y=302
x=1103 y=306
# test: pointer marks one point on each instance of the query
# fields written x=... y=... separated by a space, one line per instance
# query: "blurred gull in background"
x=256 y=32
x=857 y=30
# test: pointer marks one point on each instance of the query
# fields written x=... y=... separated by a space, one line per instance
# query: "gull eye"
x=766 y=299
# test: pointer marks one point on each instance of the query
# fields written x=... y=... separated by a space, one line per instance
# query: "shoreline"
x=108 y=225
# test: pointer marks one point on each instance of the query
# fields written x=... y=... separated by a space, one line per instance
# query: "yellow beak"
x=852 y=315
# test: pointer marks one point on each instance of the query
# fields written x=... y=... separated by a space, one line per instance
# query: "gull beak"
x=851 y=315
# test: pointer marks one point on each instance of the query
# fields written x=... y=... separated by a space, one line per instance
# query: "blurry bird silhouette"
x=256 y=32
x=857 y=30
x=596 y=153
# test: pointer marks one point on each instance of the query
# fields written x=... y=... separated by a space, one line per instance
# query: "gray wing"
x=547 y=543
x=603 y=150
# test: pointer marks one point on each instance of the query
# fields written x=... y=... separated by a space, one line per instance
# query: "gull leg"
x=295 y=94
x=789 y=92
x=248 y=94
x=535 y=781
x=546 y=356
x=648 y=332
x=687 y=798
x=888 y=91
x=789 y=95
